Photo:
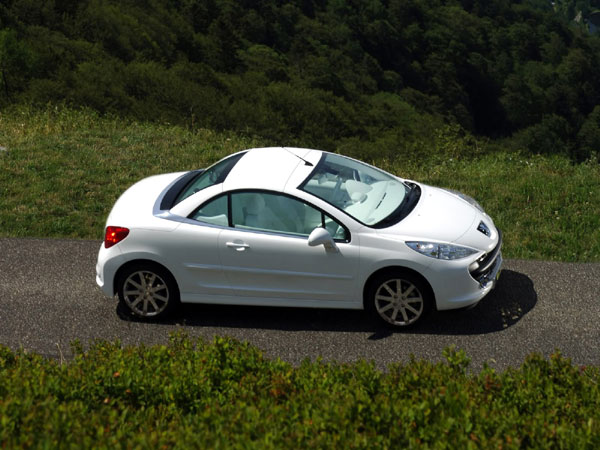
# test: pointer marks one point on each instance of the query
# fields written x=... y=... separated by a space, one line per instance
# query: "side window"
x=273 y=212
x=214 y=212
x=337 y=231
x=281 y=214
x=213 y=175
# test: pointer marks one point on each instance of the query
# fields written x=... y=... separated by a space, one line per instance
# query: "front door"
x=266 y=253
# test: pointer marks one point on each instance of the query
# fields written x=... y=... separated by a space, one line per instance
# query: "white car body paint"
x=225 y=265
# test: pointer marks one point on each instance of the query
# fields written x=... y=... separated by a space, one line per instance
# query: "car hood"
x=442 y=216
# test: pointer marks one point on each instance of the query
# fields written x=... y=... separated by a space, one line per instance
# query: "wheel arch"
x=396 y=270
x=139 y=261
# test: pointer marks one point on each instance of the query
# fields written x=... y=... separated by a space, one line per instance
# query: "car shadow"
x=513 y=297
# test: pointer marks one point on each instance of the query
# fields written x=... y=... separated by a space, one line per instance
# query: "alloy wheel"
x=399 y=302
x=146 y=293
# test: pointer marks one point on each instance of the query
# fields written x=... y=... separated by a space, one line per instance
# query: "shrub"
x=227 y=394
x=550 y=136
x=588 y=138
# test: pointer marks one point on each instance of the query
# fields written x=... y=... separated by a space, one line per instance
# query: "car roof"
x=272 y=168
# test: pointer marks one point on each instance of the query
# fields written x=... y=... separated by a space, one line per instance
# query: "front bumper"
x=492 y=276
x=489 y=266
x=456 y=286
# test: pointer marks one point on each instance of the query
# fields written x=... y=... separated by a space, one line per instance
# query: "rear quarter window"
x=215 y=174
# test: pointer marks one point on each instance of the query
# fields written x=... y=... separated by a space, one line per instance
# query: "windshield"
x=215 y=174
x=367 y=194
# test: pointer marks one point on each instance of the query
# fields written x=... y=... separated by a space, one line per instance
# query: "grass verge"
x=62 y=170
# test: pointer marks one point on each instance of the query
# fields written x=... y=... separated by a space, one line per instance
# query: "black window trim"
x=168 y=199
x=266 y=191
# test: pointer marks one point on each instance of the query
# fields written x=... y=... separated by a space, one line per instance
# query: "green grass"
x=546 y=206
x=63 y=170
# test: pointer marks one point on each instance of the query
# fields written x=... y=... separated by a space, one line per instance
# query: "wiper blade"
x=380 y=201
x=408 y=203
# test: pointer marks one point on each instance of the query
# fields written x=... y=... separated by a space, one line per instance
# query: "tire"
x=399 y=299
x=148 y=291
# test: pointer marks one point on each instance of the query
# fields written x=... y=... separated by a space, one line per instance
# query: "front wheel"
x=148 y=291
x=399 y=299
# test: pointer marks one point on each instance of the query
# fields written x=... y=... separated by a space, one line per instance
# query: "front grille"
x=486 y=262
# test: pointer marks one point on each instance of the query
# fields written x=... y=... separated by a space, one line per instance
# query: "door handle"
x=239 y=246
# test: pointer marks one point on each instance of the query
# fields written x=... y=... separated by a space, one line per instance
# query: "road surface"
x=48 y=298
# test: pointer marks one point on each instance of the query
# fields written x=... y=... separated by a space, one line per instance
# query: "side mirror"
x=320 y=236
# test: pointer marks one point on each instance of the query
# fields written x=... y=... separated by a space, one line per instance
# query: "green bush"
x=549 y=137
x=227 y=394
x=588 y=138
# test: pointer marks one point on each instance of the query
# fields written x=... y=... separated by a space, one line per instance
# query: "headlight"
x=466 y=198
x=441 y=251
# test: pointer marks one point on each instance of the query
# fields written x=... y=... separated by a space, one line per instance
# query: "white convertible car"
x=299 y=228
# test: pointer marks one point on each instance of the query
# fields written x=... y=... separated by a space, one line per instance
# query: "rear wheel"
x=148 y=291
x=399 y=298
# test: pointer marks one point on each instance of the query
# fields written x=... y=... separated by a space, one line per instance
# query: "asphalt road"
x=48 y=298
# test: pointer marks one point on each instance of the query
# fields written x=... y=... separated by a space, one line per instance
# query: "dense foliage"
x=225 y=394
x=351 y=75
x=578 y=11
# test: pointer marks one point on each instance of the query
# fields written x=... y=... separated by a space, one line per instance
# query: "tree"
x=588 y=138
x=15 y=61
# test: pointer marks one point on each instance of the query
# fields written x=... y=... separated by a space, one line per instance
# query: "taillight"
x=114 y=235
